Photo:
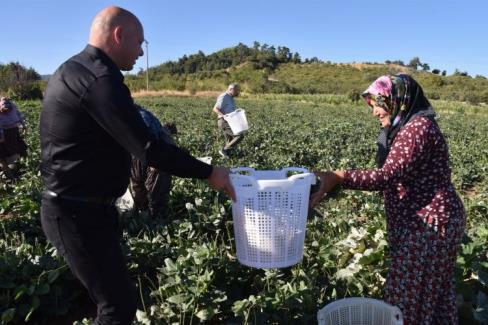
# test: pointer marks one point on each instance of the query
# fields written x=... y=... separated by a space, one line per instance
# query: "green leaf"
x=170 y=265
x=35 y=303
x=141 y=317
x=468 y=249
x=371 y=258
x=178 y=299
x=52 y=276
x=43 y=289
x=205 y=314
x=461 y=261
x=239 y=306
x=8 y=315
x=20 y=292
x=31 y=289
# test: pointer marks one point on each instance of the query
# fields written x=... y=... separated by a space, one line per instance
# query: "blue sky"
x=445 y=34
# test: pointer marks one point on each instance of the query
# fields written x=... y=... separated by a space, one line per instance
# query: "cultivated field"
x=185 y=266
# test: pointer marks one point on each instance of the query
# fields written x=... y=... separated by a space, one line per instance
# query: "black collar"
x=98 y=53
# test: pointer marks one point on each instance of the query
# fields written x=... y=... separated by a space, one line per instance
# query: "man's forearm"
x=175 y=161
x=218 y=112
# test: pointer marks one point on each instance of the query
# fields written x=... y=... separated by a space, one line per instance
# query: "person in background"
x=225 y=104
x=89 y=129
x=12 y=146
x=425 y=216
x=149 y=186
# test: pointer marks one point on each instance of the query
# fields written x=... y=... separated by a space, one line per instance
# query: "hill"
x=268 y=69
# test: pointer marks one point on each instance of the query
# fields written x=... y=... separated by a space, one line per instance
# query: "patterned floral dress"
x=425 y=220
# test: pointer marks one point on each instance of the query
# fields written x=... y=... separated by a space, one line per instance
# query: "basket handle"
x=240 y=179
x=312 y=177
x=239 y=170
x=234 y=111
x=295 y=169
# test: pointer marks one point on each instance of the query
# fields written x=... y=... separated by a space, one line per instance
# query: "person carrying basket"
x=225 y=104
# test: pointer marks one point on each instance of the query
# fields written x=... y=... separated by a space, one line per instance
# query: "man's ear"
x=117 y=33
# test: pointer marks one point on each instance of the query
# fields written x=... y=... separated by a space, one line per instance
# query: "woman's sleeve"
x=408 y=149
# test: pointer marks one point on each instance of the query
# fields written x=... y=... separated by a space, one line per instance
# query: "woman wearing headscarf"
x=425 y=216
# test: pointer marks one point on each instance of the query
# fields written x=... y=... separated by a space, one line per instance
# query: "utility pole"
x=147 y=65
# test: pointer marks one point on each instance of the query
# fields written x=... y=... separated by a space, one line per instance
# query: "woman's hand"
x=328 y=180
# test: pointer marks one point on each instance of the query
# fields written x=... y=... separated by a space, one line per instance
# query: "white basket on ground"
x=237 y=121
x=359 y=311
x=270 y=215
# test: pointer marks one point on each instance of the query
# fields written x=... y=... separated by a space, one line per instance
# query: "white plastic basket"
x=237 y=121
x=359 y=311
x=270 y=215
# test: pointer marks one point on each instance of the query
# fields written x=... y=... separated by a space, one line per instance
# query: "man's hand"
x=328 y=180
x=219 y=179
x=217 y=111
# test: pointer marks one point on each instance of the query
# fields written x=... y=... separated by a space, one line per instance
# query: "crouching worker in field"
x=12 y=146
x=89 y=129
x=150 y=186
x=425 y=216
x=225 y=104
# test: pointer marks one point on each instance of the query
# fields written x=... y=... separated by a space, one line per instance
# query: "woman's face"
x=381 y=114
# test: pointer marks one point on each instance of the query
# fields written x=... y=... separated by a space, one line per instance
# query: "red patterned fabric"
x=425 y=220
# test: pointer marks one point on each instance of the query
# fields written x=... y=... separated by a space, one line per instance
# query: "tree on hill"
x=264 y=68
x=425 y=67
x=312 y=60
x=262 y=56
x=396 y=62
x=415 y=63
x=19 y=82
x=460 y=73
x=283 y=54
x=296 y=58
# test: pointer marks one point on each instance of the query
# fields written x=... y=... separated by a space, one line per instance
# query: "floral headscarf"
x=403 y=98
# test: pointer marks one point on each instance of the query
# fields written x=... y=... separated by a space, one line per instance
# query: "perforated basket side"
x=359 y=311
x=270 y=220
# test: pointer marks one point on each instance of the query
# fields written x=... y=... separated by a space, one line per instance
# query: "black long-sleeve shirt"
x=90 y=126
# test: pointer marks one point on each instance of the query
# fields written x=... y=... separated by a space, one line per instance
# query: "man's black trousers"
x=87 y=235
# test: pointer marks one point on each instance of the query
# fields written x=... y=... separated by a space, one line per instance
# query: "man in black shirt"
x=89 y=129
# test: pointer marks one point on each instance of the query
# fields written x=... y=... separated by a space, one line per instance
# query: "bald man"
x=89 y=129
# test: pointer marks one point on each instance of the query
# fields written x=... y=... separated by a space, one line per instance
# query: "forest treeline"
x=263 y=68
